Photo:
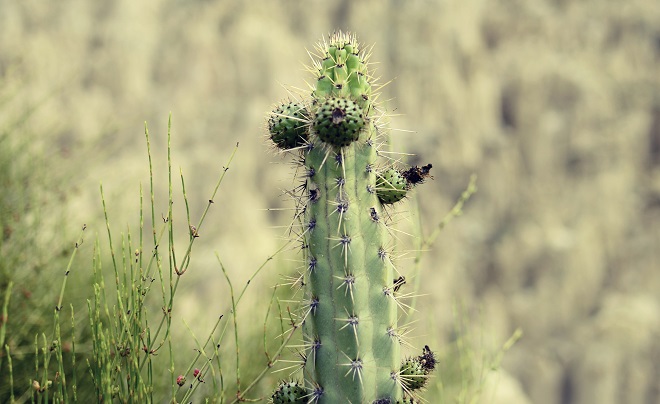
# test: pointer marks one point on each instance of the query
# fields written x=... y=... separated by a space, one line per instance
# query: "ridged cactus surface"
x=349 y=310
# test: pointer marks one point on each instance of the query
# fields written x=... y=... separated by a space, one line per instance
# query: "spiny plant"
x=349 y=312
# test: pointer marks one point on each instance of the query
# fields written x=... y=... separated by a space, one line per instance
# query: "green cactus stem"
x=349 y=316
x=352 y=309
x=342 y=70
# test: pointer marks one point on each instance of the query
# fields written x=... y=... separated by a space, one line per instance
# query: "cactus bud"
x=338 y=121
x=391 y=186
x=287 y=126
x=413 y=375
x=289 y=392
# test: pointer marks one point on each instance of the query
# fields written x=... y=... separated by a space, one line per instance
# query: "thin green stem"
x=11 y=374
x=270 y=304
x=193 y=230
x=68 y=269
x=234 y=315
x=56 y=339
x=74 y=381
x=262 y=266
x=203 y=368
x=5 y=315
x=167 y=307
x=200 y=352
x=172 y=257
x=221 y=392
x=225 y=168
x=61 y=386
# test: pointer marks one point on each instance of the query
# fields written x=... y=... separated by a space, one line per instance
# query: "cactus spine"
x=349 y=318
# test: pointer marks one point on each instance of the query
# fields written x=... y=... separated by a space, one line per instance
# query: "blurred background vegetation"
x=555 y=105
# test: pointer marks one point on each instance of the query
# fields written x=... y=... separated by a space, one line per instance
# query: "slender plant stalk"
x=10 y=370
x=74 y=381
x=5 y=315
x=234 y=317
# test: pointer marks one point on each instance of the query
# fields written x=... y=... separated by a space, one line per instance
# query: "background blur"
x=554 y=104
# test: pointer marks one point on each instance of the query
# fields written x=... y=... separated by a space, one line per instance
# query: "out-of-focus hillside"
x=554 y=104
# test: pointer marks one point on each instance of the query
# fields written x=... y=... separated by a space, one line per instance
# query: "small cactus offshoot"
x=287 y=126
x=391 y=187
x=289 y=392
x=349 y=309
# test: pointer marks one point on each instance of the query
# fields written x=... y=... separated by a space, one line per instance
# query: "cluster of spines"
x=351 y=353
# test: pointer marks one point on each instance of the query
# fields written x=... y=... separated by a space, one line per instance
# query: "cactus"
x=390 y=186
x=286 y=126
x=289 y=392
x=338 y=122
x=349 y=316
